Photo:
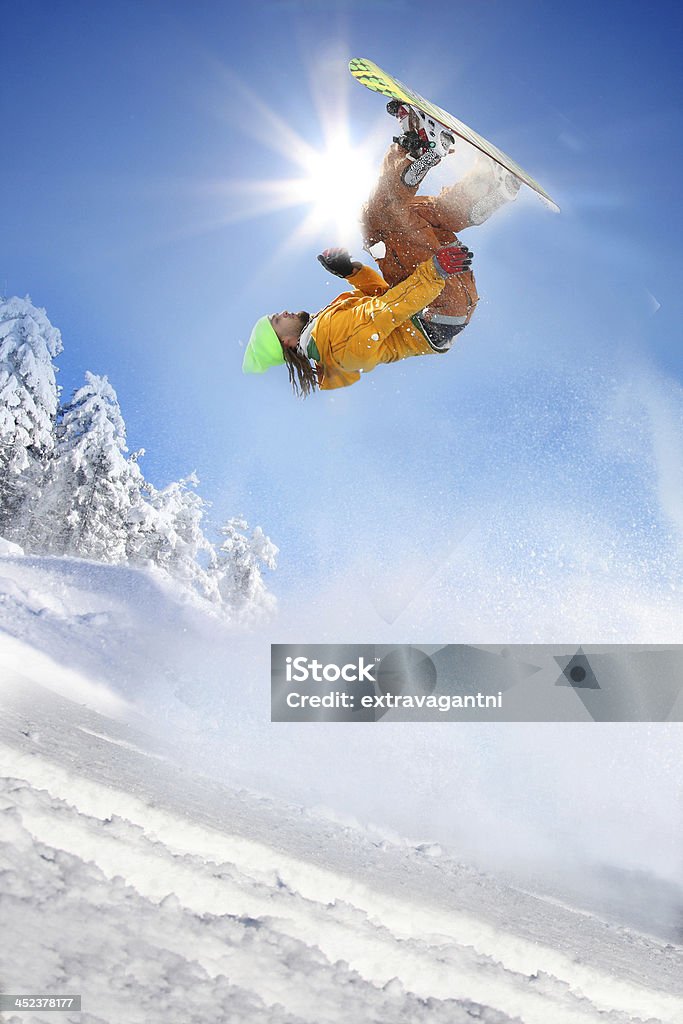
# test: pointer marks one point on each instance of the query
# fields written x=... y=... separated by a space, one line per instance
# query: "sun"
x=331 y=182
x=336 y=184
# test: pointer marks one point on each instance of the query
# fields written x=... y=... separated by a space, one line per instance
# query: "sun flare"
x=337 y=182
x=331 y=182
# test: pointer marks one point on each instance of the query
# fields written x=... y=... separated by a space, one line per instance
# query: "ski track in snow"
x=159 y=895
x=222 y=905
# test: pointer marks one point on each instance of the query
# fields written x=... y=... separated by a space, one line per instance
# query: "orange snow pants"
x=413 y=227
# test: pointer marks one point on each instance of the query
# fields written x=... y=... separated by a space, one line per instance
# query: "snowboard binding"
x=420 y=133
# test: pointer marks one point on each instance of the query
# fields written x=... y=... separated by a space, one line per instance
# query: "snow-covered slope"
x=159 y=894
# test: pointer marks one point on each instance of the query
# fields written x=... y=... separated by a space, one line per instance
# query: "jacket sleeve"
x=368 y=281
x=330 y=379
x=352 y=333
x=393 y=307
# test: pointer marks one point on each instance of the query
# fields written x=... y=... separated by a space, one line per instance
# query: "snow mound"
x=85 y=627
x=7 y=547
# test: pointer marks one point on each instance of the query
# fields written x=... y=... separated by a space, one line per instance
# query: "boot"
x=417 y=171
x=495 y=186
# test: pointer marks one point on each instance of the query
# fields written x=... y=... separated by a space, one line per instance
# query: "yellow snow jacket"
x=372 y=324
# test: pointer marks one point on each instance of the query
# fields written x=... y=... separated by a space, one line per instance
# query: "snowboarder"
x=427 y=293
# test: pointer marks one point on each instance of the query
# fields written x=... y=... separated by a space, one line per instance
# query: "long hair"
x=302 y=374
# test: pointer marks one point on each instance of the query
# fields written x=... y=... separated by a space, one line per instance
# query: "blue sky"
x=127 y=128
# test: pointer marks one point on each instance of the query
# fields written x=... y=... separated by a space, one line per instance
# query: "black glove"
x=338 y=262
x=453 y=259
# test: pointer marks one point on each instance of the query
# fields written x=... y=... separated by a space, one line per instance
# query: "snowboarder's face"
x=288 y=326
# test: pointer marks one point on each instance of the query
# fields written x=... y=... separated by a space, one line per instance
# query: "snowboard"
x=372 y=77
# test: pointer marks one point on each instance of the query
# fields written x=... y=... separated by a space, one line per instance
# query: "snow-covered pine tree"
x=166 y=531
x=91 y=485
x=237 y=569
x=28 y=406
x=68 y=487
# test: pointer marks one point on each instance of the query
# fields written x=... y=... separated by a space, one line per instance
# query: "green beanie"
x=264 y=349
